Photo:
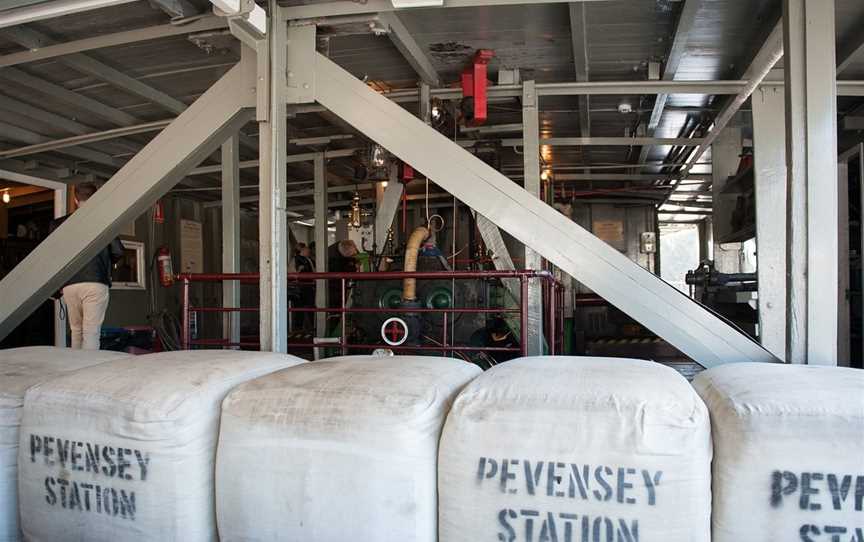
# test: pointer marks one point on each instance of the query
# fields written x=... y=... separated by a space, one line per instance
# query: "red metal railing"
x=553 y=315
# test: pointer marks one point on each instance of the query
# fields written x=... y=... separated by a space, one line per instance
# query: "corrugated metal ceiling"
x=622 y=37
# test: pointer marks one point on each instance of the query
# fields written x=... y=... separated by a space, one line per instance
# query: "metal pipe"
x=409 y=285
x=436 y=348
x=378 y=275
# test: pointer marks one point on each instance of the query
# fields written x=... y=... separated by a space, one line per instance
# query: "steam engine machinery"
x=732 y=295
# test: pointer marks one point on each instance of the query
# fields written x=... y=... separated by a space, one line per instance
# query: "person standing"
x=86 y=293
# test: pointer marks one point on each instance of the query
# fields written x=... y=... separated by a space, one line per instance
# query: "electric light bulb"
x=383 y=184
x=6 y=197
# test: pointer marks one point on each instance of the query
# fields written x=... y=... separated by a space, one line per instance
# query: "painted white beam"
x=33 y=39
x=634 y=290
x=23 y=135
x=112 y=40
x=251 y=18
x=144 y=179
x=49 y=10
x=231 y=234
x=63 y=94
x=272 y=224
x=23 y=178
x=176 y=8
x=532 y=259
x=811 y=169
x=410 y=49
x=83 y=139
x=851 y=52
x=769 y=154
x=321 y=264
x=349 y=7
x=387 y=208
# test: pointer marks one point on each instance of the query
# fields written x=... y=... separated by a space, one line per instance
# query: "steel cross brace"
x=660 y=307
x=191 y=137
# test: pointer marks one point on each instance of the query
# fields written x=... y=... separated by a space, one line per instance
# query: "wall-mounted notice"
x=191 y=247
x=611 y=231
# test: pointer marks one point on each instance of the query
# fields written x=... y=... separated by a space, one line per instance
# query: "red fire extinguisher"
x=165 y=266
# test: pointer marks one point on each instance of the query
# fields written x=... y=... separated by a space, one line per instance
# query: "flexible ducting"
x=409 y=286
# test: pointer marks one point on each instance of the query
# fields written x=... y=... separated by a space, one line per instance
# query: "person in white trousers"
x=86 y=293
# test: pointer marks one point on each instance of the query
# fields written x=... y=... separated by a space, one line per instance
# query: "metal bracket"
x=300 y=64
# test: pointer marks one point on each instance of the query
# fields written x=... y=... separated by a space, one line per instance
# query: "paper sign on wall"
x=191 y=247
x=611 y=231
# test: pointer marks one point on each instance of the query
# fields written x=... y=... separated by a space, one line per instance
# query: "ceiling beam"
x=673 y=60
x=350 y=7
x=410 y=49
x=58 y=121
x=56 y=144
x=42 y=86
x=113 y=40
x=851 y=52
x=602 y=141
x=49 y=10
x=32 y=138
x=33 y=39
x=764 y=60
x=579 y=36
x=176 y=8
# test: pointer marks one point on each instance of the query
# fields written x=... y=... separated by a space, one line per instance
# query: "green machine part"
x=439 y=298
x=390 y=299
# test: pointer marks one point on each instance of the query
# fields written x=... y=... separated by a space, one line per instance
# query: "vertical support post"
x=769 y=169
x=60 y=203
x=320 y=205
x=843 y=344
x=523 y=314
x=187 y=332
x=706 y=243
x=388 y=205
x=231 y=235
x=425 y=111
x=273 y=227
x=531 y=137
x=811 y=160
x=553 y=294
x=861 y=222
x=343 y=317
x=725 y=157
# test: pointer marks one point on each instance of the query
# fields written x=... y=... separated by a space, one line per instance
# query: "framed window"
x=128 y=273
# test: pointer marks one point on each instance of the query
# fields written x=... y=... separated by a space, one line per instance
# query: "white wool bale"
x=341 y=449
x=21 y=368
x=788 y=451
x=126 y=451
x=575 y=449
